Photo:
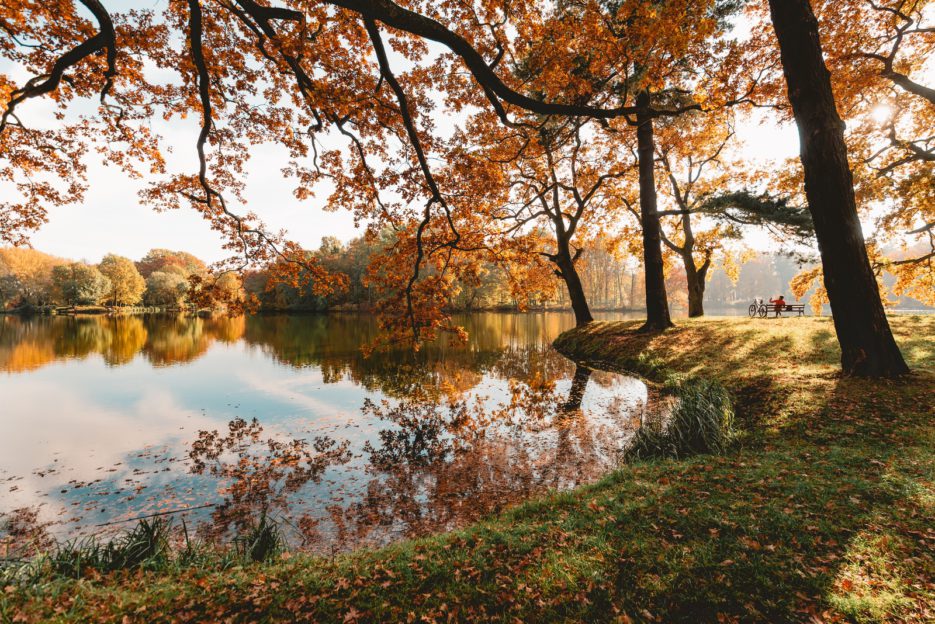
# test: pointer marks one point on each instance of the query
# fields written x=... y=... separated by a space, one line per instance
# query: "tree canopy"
x=355 y=92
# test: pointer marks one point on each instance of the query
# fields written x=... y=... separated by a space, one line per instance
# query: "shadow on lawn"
x=822 y=522
x=787 y=534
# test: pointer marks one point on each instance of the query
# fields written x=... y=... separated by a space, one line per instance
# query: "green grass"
x=701 y=422
x=153 y=544
x=824 y=511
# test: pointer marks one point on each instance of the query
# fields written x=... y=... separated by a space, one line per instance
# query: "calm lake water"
x=107 y=419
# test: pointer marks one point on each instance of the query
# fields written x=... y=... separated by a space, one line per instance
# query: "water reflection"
x=440 y=467
x=504 y=344
x=256 y=476
x=30 y=343
x=284 y=416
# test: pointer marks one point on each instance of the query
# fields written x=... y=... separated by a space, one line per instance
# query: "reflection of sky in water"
x=91 y=442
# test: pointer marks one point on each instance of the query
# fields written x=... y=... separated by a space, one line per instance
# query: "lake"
x=106 y=419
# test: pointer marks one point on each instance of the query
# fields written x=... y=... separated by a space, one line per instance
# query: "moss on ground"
x=824 y=512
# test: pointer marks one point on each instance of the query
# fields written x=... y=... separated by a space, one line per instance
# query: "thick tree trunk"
x=695 y=291
x=867 y=344
x=695 y=276
x=568 y=273
x=657 y=305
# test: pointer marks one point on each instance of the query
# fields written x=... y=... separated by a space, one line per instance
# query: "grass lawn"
x=824 y=512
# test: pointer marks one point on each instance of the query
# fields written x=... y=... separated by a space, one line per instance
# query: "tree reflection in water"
x=445 y=436
x=443 y=466
x=437 y=466
x=257 y=476
x=31 y=343
x=579 y=383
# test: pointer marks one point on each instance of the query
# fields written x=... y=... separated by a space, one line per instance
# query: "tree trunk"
x=695 y=290
x=568 y=273
x=657 y=305
x=867 y=345
x=696 y=277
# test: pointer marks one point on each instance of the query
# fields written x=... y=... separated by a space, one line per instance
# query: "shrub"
x=261 y=541
x=701 y=422
x=146 y=543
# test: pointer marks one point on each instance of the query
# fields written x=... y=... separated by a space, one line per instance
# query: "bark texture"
x=867 y=344
x=695 y=277
x=657 y=304
x=569 y=274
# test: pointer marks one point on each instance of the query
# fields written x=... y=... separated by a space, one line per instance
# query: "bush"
x=261 y=541
x=146 y=543
x=701 y=422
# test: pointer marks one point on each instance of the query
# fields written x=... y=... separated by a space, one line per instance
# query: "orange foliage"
x=352 y=92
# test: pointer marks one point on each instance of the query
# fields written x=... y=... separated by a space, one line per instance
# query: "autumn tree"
x=126 y=283
x=230 y=285
x=610 y=270
x=164 y=288
x=167 y=261
x=867 y=344
x=710 y=207
x=26 y=276
x=78 y=283
x=560 y=178
x=656 y=56
x=877 y=54
x=687 y=153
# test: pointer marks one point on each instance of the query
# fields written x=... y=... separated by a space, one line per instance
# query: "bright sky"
x=112 y=219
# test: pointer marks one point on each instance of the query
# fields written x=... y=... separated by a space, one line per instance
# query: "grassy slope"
x=827 y=509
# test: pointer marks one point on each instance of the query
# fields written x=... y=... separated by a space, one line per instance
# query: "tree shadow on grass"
x=791 y=533
x=833 y=523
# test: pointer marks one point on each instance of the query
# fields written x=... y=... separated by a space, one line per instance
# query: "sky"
x=112 y=219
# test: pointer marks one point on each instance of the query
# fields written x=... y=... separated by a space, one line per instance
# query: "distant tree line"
x=162 y=278
x=612 y=280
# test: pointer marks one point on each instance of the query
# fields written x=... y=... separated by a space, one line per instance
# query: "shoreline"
x=820 y=508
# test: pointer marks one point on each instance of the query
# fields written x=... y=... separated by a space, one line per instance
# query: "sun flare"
x=881 y=113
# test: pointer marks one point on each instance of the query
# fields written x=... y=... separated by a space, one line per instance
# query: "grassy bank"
x=823 y=511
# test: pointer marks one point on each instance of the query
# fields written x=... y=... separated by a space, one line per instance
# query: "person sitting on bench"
x=778 y=304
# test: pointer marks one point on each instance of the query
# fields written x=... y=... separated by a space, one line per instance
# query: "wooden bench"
x=763 y=309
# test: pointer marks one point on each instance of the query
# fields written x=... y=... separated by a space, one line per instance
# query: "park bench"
x=764 y=308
